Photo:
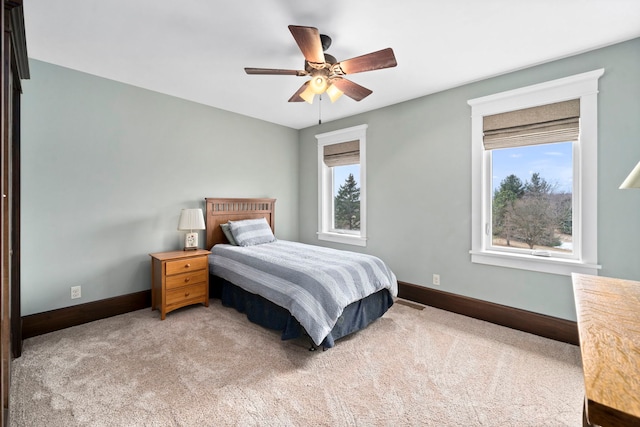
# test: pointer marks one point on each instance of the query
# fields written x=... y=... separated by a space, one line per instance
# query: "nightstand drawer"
x=186 y=294
x=184 y=279
x=185 y=265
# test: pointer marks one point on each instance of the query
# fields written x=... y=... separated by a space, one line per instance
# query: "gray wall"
x=419 y=185
x=106 y=168
x=104 y=178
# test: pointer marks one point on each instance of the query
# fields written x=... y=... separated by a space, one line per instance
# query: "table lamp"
x=191 y=219
x=633 y=180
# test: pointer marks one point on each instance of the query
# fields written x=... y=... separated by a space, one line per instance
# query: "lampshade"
x=191 y=219
x=633 y=180
x=334 y=93
x=318 y=83
x=308 y=94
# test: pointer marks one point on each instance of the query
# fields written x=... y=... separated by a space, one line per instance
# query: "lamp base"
x=191 y=241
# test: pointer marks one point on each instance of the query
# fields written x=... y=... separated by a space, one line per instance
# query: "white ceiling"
x=197 y=49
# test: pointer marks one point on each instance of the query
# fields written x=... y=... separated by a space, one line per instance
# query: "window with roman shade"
x=342 y=201
x=342 y=154
x=557 y=122
x=519 y=137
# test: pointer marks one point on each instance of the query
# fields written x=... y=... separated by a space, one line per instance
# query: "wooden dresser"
x=608 y=313
x=179 y=278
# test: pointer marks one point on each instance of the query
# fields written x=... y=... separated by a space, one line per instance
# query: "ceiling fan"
x=327 y=74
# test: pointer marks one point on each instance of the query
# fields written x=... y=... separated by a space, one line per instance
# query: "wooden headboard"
x=219 y=211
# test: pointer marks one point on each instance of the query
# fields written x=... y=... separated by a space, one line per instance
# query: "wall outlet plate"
x=76 y=292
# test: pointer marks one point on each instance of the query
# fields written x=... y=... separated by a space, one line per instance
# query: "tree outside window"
x=531 y=214
x=347 y=205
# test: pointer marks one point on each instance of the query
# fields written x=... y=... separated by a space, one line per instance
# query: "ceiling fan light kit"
x=327 y=74
x=318 y=83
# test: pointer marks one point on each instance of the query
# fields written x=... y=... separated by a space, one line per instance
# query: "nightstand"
x=179 y=278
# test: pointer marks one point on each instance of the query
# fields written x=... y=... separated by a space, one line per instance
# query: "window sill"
x=534 y=263
x=347 y=239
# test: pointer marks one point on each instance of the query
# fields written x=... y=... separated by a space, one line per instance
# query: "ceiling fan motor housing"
x=325 y=40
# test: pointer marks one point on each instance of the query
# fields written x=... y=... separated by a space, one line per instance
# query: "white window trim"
x=585 y=87
x=325 y=194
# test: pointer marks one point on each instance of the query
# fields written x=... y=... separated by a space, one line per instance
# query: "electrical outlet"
x=76 y=292
x=436 y=279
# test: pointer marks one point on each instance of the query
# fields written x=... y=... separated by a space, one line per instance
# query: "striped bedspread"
x=314 y=283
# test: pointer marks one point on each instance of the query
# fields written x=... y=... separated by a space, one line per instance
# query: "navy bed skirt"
x=263 y=312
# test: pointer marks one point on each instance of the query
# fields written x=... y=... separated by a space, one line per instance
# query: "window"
x=342 y=185
x=534 y=177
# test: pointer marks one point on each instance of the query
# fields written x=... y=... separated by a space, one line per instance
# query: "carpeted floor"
x=211 y=367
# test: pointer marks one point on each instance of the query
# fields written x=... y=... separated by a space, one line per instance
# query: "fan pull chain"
x=320 y=109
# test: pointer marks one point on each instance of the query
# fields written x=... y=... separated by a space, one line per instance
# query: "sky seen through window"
x=553 y=162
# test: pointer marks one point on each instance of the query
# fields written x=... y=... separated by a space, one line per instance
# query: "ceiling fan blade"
x=372 y=61
x=296 y=96
x=351 y=89
x=275 y=71
x=308 y=39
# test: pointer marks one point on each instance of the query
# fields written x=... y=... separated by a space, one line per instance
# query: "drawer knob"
x=186 y=294
x=187 y=266
x=187 y=279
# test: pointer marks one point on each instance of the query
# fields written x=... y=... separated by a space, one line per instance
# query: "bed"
x=277 y=284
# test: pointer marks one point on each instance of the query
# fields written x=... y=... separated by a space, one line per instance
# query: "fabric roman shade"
x=342 y=154
x=558 y=122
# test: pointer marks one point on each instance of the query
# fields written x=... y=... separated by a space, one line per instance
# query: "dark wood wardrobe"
x=15 y=67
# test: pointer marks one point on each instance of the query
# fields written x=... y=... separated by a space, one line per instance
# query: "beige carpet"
x=211 y=367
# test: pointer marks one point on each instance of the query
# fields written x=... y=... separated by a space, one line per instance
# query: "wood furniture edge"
x=19 y=38
x=526 y=321
x=606 y=309
x=54 y=320
x=178 y=254
x=538 y=324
